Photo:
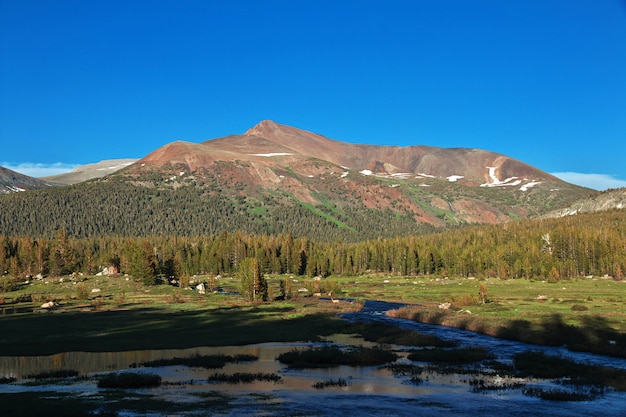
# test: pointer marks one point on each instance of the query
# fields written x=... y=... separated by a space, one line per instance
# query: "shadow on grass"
x=148 y=328
x=593 y=335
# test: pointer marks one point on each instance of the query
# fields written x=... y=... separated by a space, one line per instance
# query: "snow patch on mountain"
x=270 y=154
x=531 y=184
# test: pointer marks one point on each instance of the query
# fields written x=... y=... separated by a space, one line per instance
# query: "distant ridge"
x=13 y=182
x=91 y=171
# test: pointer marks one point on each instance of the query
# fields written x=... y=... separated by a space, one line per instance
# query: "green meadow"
x=100 y=313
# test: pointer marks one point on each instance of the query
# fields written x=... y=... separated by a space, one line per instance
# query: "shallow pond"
x=368 y=391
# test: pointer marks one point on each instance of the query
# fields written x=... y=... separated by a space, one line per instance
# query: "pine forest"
x=554 y=249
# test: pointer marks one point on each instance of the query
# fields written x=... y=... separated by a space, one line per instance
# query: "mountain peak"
x=264 y=127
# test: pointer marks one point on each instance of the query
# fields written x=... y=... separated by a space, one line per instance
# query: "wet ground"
x=368 y=391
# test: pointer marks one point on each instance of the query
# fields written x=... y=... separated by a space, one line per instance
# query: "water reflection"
x=89 y=362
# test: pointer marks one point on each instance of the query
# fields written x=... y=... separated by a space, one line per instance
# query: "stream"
x=369 y=391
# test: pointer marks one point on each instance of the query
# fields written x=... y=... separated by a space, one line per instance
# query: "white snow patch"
x=531 y=184
x=310 y=176
x=421 y=174
x=181 y=173
x=116 y=167
x=495 y=181
x=455 y=178
x=401 y=175
x=344 y=174
x=394 y=185
x=365 y=172
x=271 y=154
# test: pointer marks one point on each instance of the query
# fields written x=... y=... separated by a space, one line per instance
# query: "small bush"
x=579 y=307
x=82 y=293
x=129 y=380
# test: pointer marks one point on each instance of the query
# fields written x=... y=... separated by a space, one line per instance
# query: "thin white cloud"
x=596 y=181
x=38 y=169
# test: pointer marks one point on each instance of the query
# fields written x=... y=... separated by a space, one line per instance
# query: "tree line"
x=586 y=244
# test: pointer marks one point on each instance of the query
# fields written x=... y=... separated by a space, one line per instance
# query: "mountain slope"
x=279 y=179
x=12 y=182
x=437 y=186
x=607 y=200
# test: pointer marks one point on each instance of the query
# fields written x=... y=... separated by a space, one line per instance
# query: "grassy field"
x=120 y=313
x=585 y=314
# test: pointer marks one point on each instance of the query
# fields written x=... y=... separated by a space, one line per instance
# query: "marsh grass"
x=125 y=380
x=541 y=365
x=63 y=373
x=331 y=383
x=201 y=361
x=557 y=394
x=329 y=356
x=403 y=370
x=245 y=378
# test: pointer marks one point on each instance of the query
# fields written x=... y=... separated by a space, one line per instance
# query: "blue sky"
x=542 y=81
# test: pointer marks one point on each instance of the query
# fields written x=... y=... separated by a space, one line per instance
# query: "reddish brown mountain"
x=437 y=186
x=269 y=139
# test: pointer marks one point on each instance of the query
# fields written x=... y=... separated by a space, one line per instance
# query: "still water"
x=369 y=391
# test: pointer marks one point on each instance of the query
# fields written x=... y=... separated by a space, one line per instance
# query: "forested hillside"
x=120 y=208
x=582 y=245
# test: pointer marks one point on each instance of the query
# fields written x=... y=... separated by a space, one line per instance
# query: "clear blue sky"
x=543 y=81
